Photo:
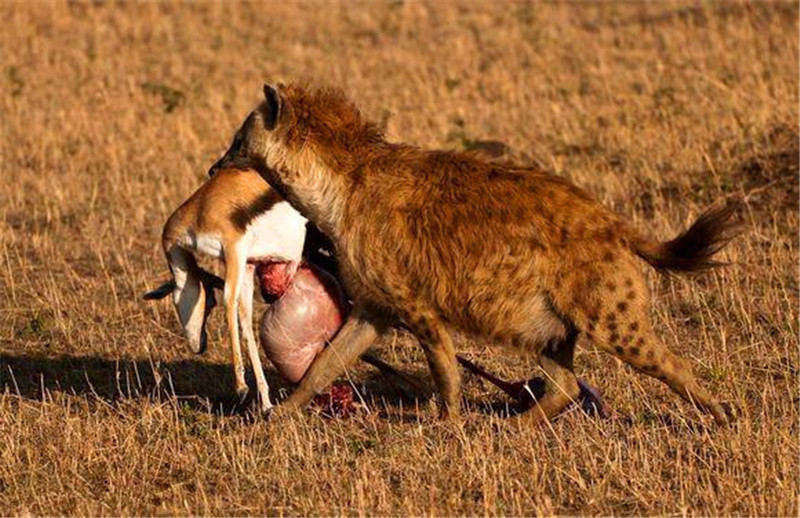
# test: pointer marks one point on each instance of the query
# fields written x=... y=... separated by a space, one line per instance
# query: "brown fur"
x=444 y=241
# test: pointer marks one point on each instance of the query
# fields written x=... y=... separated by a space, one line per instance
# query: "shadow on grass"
x=199 y=384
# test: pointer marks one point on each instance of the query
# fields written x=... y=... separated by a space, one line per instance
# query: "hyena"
x=444 y=241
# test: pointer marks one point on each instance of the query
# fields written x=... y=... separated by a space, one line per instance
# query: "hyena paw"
x=724 y=413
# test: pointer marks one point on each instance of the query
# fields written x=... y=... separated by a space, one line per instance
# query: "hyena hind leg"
x=623 y=329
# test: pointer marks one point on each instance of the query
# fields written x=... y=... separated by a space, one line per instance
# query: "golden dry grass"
x=111 y=115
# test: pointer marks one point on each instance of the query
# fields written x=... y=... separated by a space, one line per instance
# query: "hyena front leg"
x=436 y=341
x=362 y=327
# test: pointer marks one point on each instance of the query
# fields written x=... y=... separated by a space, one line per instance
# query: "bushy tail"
x=693 y=250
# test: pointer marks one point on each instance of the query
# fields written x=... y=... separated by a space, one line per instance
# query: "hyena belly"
x=529 y=322
x=542 y=325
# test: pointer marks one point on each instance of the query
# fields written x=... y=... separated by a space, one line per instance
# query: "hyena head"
x=254 y=138
x=307 y=143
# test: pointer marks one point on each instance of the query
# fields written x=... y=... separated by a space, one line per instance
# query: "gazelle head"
x=193 y=306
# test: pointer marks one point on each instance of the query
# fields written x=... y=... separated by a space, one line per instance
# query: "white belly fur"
x=209 y=244
x=277 y=234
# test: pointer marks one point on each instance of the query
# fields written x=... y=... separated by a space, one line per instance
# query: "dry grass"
x=111 y=115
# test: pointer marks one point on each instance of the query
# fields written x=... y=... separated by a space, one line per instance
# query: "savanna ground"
x=111 y=115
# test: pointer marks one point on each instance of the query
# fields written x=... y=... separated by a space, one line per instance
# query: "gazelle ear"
x=162 y=291
x=274 y=105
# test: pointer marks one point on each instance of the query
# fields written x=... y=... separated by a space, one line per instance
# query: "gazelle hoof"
x=277 y=414
x=266 y=410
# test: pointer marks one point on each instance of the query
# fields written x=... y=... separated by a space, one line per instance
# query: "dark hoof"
x=266 y=414
x=279 y=414
x=244 y=402
x=265 y=408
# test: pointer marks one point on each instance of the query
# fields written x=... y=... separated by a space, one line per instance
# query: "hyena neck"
x=318 y=150
x=313 y=188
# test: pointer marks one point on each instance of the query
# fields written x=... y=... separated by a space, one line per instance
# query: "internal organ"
x=309 y=310
x=274 y=277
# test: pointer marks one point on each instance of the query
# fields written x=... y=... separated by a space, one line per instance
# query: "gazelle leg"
x=188 y=296
x=246 y=322
x=235 y=266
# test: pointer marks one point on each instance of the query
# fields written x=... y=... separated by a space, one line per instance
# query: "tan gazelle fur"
x=237 y=218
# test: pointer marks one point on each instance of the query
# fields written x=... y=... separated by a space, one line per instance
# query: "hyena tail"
x=693 y=250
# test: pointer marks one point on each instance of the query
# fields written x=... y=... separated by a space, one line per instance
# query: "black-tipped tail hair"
x=693 y=250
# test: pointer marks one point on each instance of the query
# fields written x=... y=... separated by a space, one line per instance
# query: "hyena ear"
x=274 y=105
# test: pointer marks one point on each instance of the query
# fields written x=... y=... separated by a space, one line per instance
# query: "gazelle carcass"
x=238 y=218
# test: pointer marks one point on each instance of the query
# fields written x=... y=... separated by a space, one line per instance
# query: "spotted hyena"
x=444 y=241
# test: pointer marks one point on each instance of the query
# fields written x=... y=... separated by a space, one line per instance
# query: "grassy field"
x=111 y=115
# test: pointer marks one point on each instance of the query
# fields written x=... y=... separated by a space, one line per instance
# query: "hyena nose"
x=230 y=162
